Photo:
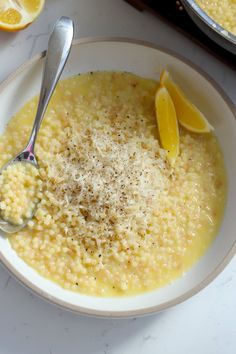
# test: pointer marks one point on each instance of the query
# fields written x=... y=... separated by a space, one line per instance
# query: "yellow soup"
x=115 y=218
x=19 y=192
x=221 y=11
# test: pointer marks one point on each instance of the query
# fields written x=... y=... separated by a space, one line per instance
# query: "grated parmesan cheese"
x=111 y=185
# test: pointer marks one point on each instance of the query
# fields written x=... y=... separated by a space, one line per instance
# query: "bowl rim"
x=210 y=22
x=127 y=313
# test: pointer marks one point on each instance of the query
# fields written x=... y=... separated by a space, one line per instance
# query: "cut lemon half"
x=167 y=123
x=18 y=14
x=188 y=115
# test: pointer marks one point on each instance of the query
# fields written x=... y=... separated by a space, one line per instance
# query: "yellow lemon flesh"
x=18 y=14
x=167 y=123
x=188 y=115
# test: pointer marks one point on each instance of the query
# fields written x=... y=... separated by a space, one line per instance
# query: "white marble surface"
x=204 y=324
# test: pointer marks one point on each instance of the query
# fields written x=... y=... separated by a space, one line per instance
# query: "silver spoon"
x=59 y=46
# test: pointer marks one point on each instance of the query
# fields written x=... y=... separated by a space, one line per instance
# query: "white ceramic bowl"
x=145 y=60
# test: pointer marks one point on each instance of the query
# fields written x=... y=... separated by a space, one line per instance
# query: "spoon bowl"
x=5 y=225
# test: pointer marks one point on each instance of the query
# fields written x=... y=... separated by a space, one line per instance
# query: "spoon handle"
x=59 y=46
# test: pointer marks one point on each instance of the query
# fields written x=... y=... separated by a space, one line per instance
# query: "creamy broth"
x=127 y=243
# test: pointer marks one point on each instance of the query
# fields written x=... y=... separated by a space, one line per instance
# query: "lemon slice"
x=167 y=123
x=18 y=14
x=188 y=115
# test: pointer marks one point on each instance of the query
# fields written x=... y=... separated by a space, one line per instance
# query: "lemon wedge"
x=18 y=14
x=167 y=123
x=188 y=115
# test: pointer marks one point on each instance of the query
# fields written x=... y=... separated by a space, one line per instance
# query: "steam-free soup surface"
x=115 y=218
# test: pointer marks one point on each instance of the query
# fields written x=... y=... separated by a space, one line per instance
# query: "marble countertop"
x=204 y=324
